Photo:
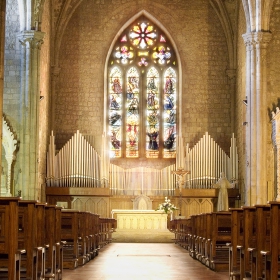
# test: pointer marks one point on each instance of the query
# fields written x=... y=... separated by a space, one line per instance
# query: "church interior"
x=112 y=107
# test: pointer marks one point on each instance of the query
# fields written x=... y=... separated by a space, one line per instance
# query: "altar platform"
x=141 y=226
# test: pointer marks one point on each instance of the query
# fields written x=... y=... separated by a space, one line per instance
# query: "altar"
x=141 y=226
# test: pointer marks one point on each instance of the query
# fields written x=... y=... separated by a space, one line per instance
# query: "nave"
x=149 y=261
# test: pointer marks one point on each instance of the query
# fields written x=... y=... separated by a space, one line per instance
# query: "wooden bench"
x=52 y=241
x=221 y=235
x=249 y=240
x=207 y=221
x=29 y=226
x=237 y=231
x=263 y=224
x=10 y=254
x=271 y=256
x=83 y=254
x=193 y=236
x=70 y=233
x=96 y=226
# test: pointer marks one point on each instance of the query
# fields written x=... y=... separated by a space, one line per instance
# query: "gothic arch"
x=223 y=16
x=156 y=22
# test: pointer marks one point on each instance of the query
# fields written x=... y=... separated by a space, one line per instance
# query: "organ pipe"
x=77 y=164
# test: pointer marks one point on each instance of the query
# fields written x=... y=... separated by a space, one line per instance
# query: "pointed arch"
x=179 y=66
x=142 y=49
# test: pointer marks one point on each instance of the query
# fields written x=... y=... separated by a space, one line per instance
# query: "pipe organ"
x=206 y=160
x=77 y=164
x=141 y=180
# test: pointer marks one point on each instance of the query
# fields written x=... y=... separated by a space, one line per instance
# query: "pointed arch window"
x=142 y=94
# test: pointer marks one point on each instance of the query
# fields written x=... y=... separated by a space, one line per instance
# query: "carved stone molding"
x=32 y=39
x=10 y=145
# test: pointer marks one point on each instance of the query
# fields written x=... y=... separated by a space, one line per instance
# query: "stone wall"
x=11 y=98
x=199 y=38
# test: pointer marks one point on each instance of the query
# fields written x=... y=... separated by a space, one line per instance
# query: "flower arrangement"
x=166 y=206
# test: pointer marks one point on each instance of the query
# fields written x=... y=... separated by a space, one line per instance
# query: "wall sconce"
x=245 y=101
x=41 y=97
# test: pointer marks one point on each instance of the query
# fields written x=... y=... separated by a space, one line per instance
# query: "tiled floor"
x=145 y=261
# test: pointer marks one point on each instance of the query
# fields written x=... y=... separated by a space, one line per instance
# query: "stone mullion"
x=31 y=42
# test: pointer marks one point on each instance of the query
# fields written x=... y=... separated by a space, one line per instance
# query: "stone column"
x=276 y=144
x=262 y=39
x=256 y=133
x=31 y=42
x=2 y=51
x=250 y=184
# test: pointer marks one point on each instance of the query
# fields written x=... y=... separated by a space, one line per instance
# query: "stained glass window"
x=142 y=94
x=115 y=112
x=132 y=113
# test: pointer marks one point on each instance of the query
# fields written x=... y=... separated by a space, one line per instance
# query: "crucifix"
x=180 y=173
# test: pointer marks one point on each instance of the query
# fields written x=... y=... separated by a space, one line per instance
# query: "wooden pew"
x=271 y=256
x=249 y=240
x=199 y=241
x=221 y=235
x=59 y=244
x=83 y=255
x=29 y=226
x=10 y=254
x=41 y=239
x=52 y=241
x=263 y=223
x=90 y=235
x=96 y=226
x=183 y=227
x=70 y=233
x=103 y=230
x=192 y=236
x=237 y=231
x=207 y=242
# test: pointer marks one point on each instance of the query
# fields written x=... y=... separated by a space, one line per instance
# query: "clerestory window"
x=142 y=90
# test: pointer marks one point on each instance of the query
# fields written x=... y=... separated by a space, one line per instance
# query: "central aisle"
x=143 y=261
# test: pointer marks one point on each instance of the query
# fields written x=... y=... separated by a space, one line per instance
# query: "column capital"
x=31 y=38
x=260 y=38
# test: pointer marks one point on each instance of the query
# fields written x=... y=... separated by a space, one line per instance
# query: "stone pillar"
x=256 y=133
x=2 y=51
x=31 y=42
x=276 y=143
